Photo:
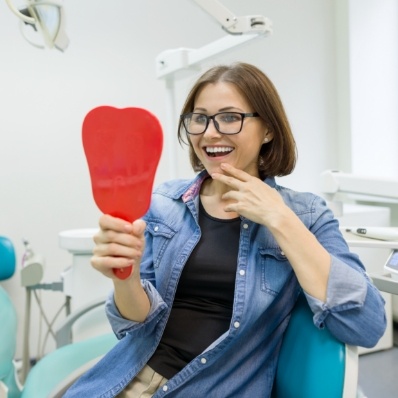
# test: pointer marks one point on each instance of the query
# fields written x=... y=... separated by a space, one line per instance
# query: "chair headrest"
x=7 y=258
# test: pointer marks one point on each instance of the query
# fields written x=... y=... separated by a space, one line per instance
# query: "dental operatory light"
x=240 y=31
x=46 y=18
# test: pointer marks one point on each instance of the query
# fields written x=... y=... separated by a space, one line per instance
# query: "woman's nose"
x=211 y=130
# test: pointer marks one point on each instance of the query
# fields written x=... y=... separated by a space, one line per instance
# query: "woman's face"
x=239 y=150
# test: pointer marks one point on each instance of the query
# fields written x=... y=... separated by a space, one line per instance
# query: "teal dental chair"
x=53 y=374
x=8 y=321
x=312 y=363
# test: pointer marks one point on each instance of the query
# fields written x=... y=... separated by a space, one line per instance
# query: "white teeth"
x=218 y=149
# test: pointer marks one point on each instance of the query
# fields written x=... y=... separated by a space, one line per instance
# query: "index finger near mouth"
x=228 y=180
x=234 y=172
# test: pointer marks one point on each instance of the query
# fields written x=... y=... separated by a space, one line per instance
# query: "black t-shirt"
x=202 y=307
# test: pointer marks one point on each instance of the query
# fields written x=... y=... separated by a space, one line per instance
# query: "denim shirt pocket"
x=161 y=236
x=275 y=269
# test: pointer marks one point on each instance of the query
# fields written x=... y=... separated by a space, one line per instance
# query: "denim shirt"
x=242 y=362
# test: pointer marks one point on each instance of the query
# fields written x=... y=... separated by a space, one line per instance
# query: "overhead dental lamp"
x=47 y=18
x=240 y=30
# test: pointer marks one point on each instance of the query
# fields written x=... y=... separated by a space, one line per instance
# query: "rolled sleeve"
x=346 y=290
x=121 y=326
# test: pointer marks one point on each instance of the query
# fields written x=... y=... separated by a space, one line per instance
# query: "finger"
x=117 y=230
x=108 y=222
x=234 y=172
x=131 y=249
x=227 y=180
x=108 y=237
x=111 y=262
x=105 y=265
x=138 y=227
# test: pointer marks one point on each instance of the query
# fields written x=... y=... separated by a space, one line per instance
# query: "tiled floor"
x=378 y=372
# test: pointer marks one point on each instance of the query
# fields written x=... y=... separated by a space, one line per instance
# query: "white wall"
x=44 y=96
x=367 y=87
x=373 y=66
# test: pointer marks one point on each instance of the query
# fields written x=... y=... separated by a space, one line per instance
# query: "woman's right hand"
x=118 y=244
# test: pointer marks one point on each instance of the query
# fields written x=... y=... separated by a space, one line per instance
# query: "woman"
x=219 y=261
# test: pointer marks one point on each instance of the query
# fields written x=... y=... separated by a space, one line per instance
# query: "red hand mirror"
x=123 y=148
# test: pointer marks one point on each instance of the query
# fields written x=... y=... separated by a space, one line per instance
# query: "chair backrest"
x=8 y=322
x=7 y=258
x=312 y=362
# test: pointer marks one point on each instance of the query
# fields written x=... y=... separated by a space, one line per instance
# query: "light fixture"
x=240 y=29
x=47 y=17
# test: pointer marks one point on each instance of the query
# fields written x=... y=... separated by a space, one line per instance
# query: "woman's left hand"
x=262 y=204
x=250 y=197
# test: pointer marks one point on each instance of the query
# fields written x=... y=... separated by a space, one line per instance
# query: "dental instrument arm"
x=380 y=189
x=231 y=23
x=240 y=29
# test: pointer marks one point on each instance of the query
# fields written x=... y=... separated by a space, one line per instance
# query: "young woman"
x=219 y=261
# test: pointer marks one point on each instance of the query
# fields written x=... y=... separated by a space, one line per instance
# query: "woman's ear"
x=268 y=137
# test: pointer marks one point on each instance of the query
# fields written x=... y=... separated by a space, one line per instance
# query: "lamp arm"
x=231 y=23
x=21 y=16
x=219 y=12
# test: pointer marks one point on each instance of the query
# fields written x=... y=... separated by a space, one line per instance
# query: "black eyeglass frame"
x=212 y=117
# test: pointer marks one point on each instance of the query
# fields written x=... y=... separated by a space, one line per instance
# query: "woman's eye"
x=200 y=119
x=230 y=117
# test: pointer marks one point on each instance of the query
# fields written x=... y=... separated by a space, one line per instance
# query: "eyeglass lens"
x=225 y=122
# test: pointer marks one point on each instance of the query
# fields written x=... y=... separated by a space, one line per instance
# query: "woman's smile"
x=218 y=151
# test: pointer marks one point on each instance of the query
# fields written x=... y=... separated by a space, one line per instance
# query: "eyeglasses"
x=225 y=122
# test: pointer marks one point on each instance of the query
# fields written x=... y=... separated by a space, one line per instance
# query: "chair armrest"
x=63 y=334
x=62 y=366
x=351 y=372
x=60 y=390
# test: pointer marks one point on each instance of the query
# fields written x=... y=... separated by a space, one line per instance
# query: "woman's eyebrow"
x=225 y=109
x=199 y=109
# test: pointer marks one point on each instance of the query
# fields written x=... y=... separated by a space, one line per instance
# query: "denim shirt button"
x=242 y=272
x=236 y=324
x=165 y=388
x=156 y=229
x=203 y=360
x=245 y=226
x=282 y=252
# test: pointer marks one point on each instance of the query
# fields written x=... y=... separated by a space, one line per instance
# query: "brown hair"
x=276 y=158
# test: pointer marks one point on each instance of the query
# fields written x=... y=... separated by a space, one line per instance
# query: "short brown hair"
x=276 y=158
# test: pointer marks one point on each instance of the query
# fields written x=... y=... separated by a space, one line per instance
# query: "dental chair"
x=8 y=321
x=312 y=363
x=52 y=374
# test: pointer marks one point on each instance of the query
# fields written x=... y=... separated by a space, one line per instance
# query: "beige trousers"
x=144 y=385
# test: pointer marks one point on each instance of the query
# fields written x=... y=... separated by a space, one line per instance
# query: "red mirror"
x=123 y=149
